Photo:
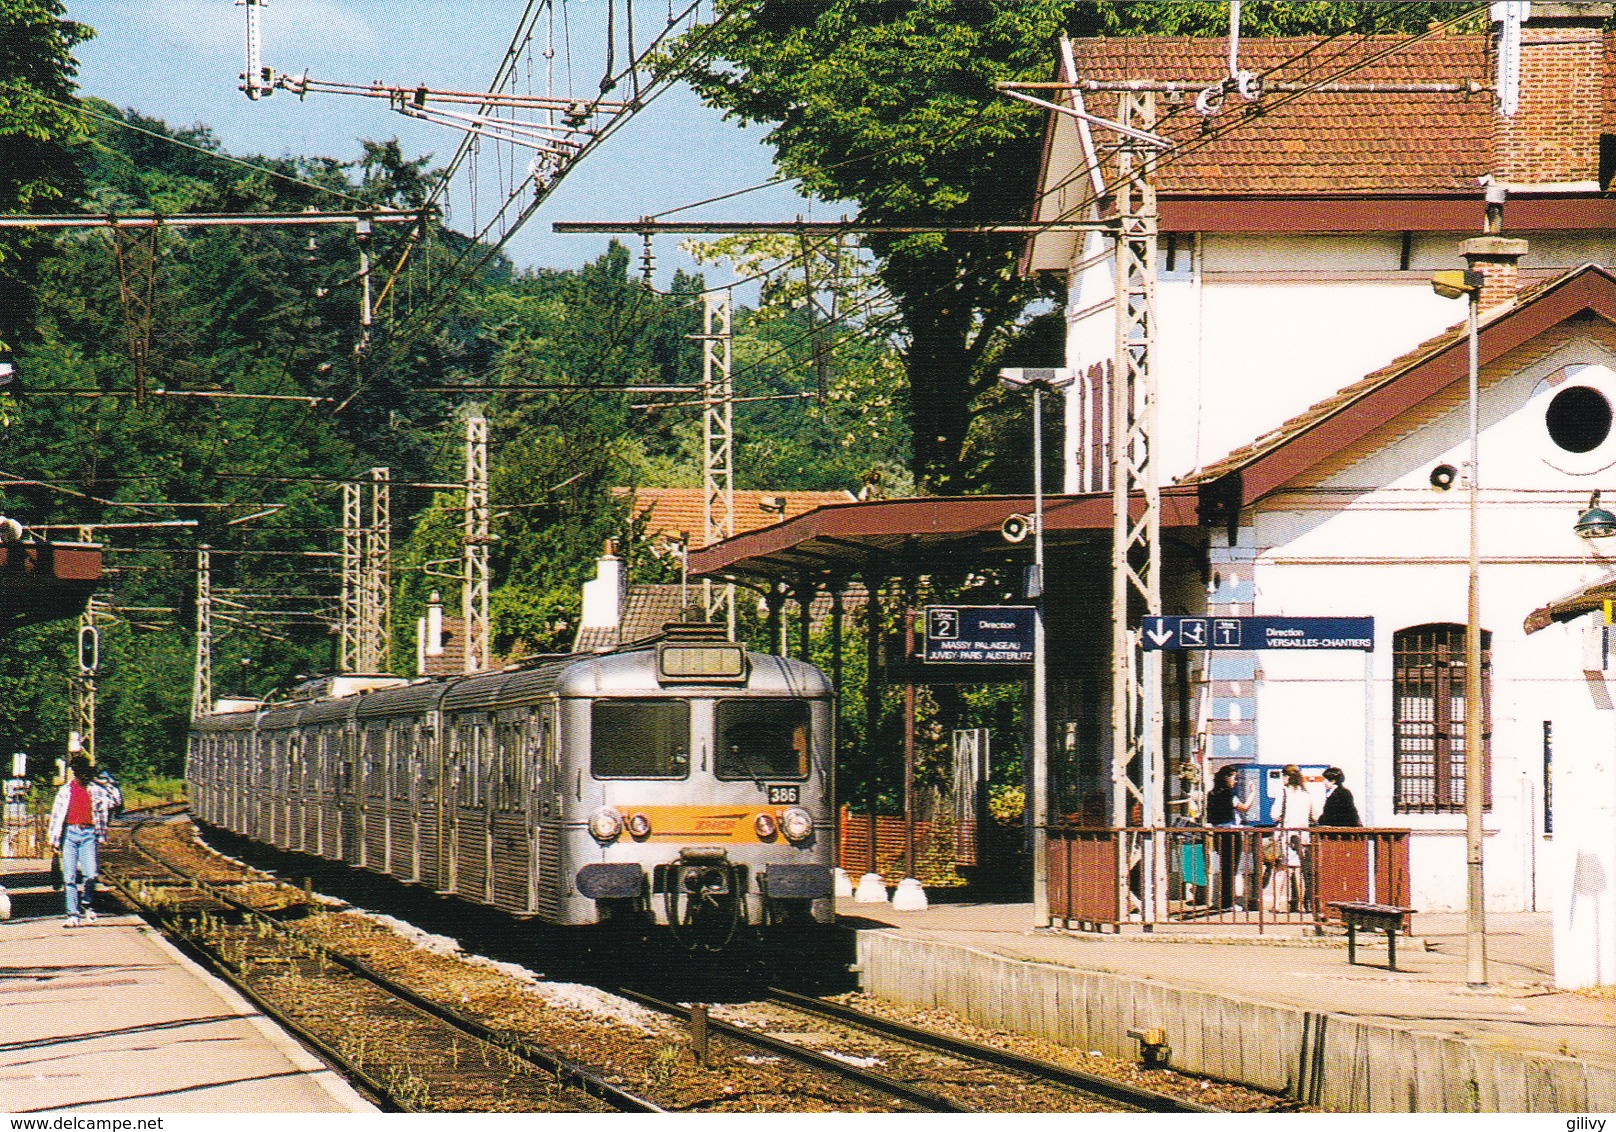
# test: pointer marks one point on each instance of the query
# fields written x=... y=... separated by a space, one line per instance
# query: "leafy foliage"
x=40 y=136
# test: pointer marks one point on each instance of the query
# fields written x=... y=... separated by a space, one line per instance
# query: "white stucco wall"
x=1375 y=539
x=1252 y=330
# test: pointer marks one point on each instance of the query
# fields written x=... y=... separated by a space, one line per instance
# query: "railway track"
x=411 y=1053
x=922 y=1069
x=428 y=1030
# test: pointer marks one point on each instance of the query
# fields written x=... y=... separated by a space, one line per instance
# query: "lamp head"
x=1595 y=522
x=1043 y=380
x=1457 y=284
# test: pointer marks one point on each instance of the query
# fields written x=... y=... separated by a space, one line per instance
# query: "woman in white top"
x=1289 y=855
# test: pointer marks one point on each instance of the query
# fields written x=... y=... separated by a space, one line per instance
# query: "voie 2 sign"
x=978 y=634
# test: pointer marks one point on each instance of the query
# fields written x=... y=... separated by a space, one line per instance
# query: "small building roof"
x=646 y=608
x=1574 y=604
x=676 y=512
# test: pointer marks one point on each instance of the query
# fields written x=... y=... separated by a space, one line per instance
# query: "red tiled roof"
x=1372 y=142
x=646 y=609
x=677 y=511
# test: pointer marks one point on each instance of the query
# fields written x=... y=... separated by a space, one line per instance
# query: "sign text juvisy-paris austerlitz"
x=978 y=634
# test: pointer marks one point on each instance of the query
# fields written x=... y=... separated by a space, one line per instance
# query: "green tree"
x=40 y=135
x=893 y=106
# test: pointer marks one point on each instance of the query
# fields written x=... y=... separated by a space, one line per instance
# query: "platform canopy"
x=46 y=581
x=917 y=534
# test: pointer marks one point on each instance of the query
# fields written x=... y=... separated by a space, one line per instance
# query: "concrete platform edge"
x=332 y=1083
x=1325 y=1060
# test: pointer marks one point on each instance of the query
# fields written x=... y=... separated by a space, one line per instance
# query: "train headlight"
x=639 y=825
x=797 y=823
x=764 y=825
x=605 y=825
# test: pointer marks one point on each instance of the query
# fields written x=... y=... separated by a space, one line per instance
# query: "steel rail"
x=566 y=1072
x=1146 y=1099
x=385 y=1098
x=926 y=1100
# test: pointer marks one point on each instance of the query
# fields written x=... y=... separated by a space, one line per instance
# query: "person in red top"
x=78 y=824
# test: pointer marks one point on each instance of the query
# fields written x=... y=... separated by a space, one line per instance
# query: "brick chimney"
x=1498 y=259
x=1553 y=138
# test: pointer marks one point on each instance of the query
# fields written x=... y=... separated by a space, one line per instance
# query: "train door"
x=373 y=797
x=330 y=831
x=419 y=799
x=543 y=813
x=512 y=810
x=456 y=784
x=434 y=785
x=281 y=791
x=350 y=799
x=398 y=794
x=325 y=825
x=473 y=823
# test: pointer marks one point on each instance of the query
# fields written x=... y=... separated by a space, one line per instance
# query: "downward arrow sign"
x=1159 y=636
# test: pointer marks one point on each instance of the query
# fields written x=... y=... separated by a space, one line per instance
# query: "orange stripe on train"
x=712 y=823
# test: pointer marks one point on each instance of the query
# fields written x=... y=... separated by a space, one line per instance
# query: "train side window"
x=762 y=739
x=640 y=739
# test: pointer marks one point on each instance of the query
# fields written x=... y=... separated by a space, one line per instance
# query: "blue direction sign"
x=1175 y=634
x=979 y=634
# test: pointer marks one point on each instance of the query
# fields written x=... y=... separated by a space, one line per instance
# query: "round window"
x=1578 y=419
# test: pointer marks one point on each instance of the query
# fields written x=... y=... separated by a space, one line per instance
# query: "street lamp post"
x=1038 y=382
x=1467 y=285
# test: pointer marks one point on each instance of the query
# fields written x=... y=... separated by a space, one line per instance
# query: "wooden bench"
x=1388 y=918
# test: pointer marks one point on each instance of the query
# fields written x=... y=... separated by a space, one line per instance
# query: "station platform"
x=1339 y=1036
x=109 y=1017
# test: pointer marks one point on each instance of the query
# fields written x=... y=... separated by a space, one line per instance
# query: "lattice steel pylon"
x=478 y=536
x=352 y=578
x=135 y=252
x=1136 y=542
x=376 y=602
x=202 y=678
x=717 y=444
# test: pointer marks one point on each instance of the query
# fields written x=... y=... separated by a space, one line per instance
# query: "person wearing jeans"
x=78 y=825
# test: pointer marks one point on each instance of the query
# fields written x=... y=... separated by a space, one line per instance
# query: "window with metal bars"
x=1429 y=742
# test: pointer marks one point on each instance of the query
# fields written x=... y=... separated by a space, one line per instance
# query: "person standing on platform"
x=1339 y=808
x=78 y=825
x=1288 y=889
x=1223 y=803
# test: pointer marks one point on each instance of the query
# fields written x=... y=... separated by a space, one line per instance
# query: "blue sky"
x=179 y=60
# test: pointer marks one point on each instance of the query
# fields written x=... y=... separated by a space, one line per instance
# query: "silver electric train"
x=686 y=783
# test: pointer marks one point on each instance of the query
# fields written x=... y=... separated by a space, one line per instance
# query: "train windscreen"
x=761 y=739
x=640 y=739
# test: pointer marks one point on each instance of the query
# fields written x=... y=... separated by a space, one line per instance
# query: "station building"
x=1313 y=443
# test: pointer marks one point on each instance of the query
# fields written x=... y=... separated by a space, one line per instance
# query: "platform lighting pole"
x=1467 y=285
x=1038 y=382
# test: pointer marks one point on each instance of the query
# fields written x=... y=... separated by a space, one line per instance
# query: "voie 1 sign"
x=1174 y=634
x=978 y=634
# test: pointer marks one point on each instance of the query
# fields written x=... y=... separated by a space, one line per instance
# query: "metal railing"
x=22 y=831
x=1225 y=877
